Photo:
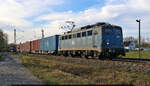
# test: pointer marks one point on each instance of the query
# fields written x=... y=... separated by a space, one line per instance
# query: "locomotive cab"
x=112 y=44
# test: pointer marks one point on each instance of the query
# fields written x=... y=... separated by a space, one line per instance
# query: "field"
x=135 y=54
x=61 y=70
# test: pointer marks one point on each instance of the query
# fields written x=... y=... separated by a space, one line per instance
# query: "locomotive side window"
x=66 y=37
x=78 y=35
x=62 y=37
x=83 y=34
x=70 y=36
x=118 y=32
x=89 y=33
x=108 y=31
x=74 y=35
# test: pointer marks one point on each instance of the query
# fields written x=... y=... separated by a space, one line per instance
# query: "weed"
x=135 y=54
x=56 y=71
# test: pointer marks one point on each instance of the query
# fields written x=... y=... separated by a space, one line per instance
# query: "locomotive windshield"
x=118 y=31
x=112 y=30
x=108 y=31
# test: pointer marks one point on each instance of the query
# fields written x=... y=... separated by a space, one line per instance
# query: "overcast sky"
x=29 y=16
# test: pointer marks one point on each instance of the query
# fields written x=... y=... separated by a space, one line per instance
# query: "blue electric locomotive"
x=98 y=40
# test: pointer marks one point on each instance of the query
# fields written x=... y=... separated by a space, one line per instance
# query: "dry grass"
x=135 y=54
x=53 y=71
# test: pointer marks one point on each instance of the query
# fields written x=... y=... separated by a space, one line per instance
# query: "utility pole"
x=15 y=36
x=42 y=33
x=139 y=21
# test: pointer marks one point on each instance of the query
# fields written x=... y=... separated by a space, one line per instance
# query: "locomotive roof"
x=93 y=25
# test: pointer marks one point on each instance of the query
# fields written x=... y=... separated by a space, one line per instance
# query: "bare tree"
x=128 y=40
x=3 y=41
x=148 y=39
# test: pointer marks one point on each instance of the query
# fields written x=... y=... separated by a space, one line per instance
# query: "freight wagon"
x=25 y=47
x=35 y=46
x=49 y=45
x=99 y=40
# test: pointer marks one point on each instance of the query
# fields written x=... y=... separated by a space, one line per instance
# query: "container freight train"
x=97 y=40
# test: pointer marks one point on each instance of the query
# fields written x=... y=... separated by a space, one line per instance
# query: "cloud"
x=24 y=35
x=12 y=13
x=123 y=13
x=20 y=14
x=17 y=12
x=91 y=15
x=56 y=16
x=119 y=12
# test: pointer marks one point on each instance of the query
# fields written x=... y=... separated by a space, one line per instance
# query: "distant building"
x=130 y=45
x=148 y=44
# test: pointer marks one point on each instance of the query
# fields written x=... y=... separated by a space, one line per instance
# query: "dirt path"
x=12 y=72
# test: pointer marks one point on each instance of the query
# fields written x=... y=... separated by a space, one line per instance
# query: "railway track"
x=132 y=60
x=135 y=60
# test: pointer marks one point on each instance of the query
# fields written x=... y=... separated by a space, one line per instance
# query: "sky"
x=28 y=17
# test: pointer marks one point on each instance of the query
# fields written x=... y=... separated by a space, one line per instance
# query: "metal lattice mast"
x=14 y=36
x=42 y=33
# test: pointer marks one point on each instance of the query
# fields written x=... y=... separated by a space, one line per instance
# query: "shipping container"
x=25 y=47
x=35 y=45
x=49 y=44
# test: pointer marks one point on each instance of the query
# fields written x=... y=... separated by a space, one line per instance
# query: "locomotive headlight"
x=107 y=43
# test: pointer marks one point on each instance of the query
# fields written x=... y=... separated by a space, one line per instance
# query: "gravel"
x=12 y=72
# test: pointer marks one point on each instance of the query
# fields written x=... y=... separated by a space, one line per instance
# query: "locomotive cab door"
x=94 y=37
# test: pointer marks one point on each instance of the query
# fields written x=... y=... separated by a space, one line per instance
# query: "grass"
x=135 y=54
x=53 y=71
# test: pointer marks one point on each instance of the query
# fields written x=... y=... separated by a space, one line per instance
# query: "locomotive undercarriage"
x=80 y=53
x=113 y=52
x=106 y=53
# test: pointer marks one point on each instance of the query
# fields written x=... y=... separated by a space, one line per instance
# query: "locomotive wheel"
x=72 y=55
x=87 y=57
x=83 y=55
x=102 y=56
x=69 y=55
x=65 y=54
